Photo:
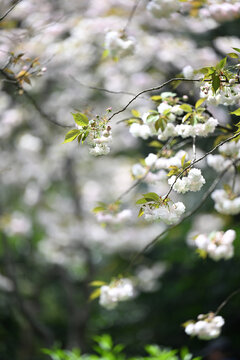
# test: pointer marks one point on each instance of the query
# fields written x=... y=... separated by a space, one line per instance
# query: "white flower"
x=226 y=95
x=218 y=162
x=99 y=149
x=150 y=159
x=170 y=213
x=188 y=72
x=119 y=290
x=163 y=8
x=208 y=327
x=138 y=170
x=192 y=182
x=218 y=245
x=119 y=45
x=138 y=130
x=224 y=204
x=199 y=129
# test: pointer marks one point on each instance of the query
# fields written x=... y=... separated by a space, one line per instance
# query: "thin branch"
x=131 y=15
x=187 y=215
x=149 y=90
x=103 y=89
x=9 y=10
x=32 y=100
x=226 y=301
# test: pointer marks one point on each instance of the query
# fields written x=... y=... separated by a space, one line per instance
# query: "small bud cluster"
x=163 y=8
x=168 y=213
x=118 y=290
x=192 y=182
x=218 y=245
x=207 y=327
x=119 y=45
x=226 y=95
x=99 y=140
x=225 y=202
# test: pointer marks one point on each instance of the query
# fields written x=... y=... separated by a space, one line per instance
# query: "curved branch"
x=9 y=10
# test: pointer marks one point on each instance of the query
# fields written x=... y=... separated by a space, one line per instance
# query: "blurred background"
x=52 y=245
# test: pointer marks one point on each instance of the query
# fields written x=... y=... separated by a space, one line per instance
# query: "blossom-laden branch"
x=187 y=215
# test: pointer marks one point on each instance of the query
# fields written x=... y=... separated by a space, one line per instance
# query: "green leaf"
x=236 y=49
x=167 y=94
x=141 y=212
x=151 y=196
x=136 y=113
x=98 y=209
x=97 y=283
x=236 y=112
x=215 y=82
x=155 y=144
x=183 y=160
x=156 y=98
x=141 y=201
x=152 y=117
x=221 y=64
x=95 y=294
x=233 y=55
x=185 y=107
x=199 y=102
x=186 y=117
x=71 y=135
x=80 y=119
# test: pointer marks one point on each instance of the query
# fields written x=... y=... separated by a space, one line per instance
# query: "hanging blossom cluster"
x=207 y=327
x=96 y=132
x=192 y=182
x=119 y=45
x=228 y=94
x=226 y=202
x=153 y=207
x=117 y=291
x=172 y=118
x=217 y=245
x=163 y=8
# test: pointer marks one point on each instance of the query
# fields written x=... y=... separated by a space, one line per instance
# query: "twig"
x=9 y=10
x=226 y=301
x=149 y=90
x=131 y=15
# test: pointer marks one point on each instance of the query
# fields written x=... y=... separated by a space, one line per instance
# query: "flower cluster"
x=99 y=140
x=163 y=8
x=147 y=277
x=118 y=290
x=222 y=11
x=119 y=45
x=168 y=213
x=218 y=162
x=172 y=118
x=226 y=202
x=114 y=218
x=206 y=328
x=192 y=182
x=218 y=245
x=225 y=95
